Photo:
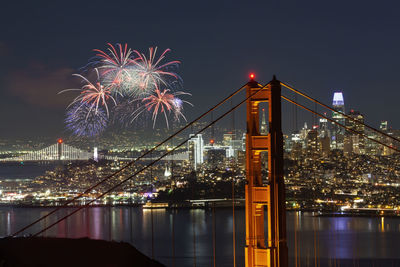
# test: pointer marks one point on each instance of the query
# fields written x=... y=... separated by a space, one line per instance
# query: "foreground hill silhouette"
x=38 y=251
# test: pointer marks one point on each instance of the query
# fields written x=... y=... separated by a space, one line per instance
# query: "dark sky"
x=318 y=46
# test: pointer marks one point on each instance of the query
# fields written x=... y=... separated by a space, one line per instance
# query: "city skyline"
x=208 y=133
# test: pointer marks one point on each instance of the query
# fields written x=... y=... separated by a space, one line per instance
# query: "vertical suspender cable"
x=173 y=238
x=295 y=115
x=87 y=222
x=233 y=121
x=151 y=210
x=233 y=222
x=152 y=234
x=212 y=127
x=131 y=224
x=109 y=221
x=173 y=211
x=194 y=240
x=214 y=237
x=233 y=202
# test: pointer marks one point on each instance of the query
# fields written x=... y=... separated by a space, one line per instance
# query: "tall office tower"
x=195 y=150
x=227 y=138
x=303 y=135
x=383 y=126
x=357 y=141
x=347 y=145
x=295 y=146
x=338 y=131
x=312 y=143
x=385 y=151
x=325 y=145
x=263 y=126
x=95 y=154
x=244 y=142
x=323 y=127
x=372 y=148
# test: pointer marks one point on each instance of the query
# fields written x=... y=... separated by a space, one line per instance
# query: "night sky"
x=317 y=46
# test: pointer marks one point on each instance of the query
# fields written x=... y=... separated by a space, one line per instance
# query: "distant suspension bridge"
x=64 y=152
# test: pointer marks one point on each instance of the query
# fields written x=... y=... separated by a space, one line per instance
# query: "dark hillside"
x=43 y=252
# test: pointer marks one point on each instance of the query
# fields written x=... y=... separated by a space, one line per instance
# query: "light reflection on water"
x=331 y=238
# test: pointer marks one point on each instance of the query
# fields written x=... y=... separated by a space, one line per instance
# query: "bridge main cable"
x=337 y=111
x=130 y=163
x=147 y=166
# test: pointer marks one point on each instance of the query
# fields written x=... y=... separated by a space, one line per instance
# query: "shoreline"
x=183 y=206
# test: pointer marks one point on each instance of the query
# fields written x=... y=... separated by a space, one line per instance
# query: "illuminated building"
x=338 y=131
x=227 y=138
x=167 y=172
x=263 y=126
x=357 y=141
x=325 y=145
x=303 y=135
x=195 y=149
x=385 y=151
x=244 y=142
x=230 y=141
x=215 y=156
x=371 y=148
x=95 y=154
x=295 y=146
x=347 y=145
x=383 y=126
x=323 y=127
x=312 y=143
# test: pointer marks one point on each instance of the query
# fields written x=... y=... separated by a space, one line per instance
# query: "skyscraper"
x=383 y=126
x=195 y=150
x=263 y=127
x=323 y=128
x=357 y=141
x=338 y=131
x=312 y=146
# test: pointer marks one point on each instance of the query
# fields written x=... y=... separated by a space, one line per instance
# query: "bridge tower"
x=59 y=148
x=271 y=193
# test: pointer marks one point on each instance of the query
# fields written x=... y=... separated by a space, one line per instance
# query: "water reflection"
x=187 y=234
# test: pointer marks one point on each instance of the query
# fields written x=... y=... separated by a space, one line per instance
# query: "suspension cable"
x=150 y=164
x=130 y=163
x=337 y=111
x=339 y=124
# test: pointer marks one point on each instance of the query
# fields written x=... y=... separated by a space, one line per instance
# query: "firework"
x=151 y=72
x=115 y=65
x=162 y=102
x=133 y=79
x=83 y=121
x=93 y=94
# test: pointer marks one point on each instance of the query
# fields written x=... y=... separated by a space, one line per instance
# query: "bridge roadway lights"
x=258 y=252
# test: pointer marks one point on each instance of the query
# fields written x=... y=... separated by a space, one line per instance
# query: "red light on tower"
x=59 y=141
x=212 y=141
x=252 y=76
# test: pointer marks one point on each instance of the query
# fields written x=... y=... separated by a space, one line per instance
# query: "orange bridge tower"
x=271 y=249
